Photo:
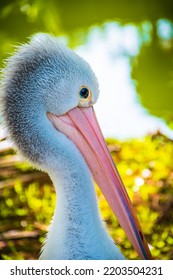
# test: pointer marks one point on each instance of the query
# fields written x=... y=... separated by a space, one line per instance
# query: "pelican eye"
x=85 y=97
x=84 y=93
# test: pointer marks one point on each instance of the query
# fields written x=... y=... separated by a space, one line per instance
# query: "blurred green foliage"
x=146 y=167
x=152 y=71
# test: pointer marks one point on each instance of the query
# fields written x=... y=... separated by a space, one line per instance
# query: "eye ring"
x=85 y=96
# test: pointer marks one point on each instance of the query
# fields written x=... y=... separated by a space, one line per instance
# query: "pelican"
x=48 y=93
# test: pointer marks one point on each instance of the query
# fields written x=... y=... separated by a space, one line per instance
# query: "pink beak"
x=81 y=126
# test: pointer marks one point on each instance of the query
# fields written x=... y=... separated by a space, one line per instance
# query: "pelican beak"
x=81 y=126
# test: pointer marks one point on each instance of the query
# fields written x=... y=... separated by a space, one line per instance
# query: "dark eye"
x=84 y=93
x=85 y=97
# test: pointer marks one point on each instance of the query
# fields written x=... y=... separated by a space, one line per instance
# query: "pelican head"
x=48 y=93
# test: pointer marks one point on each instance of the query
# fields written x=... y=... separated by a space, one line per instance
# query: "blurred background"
x=129 y=45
